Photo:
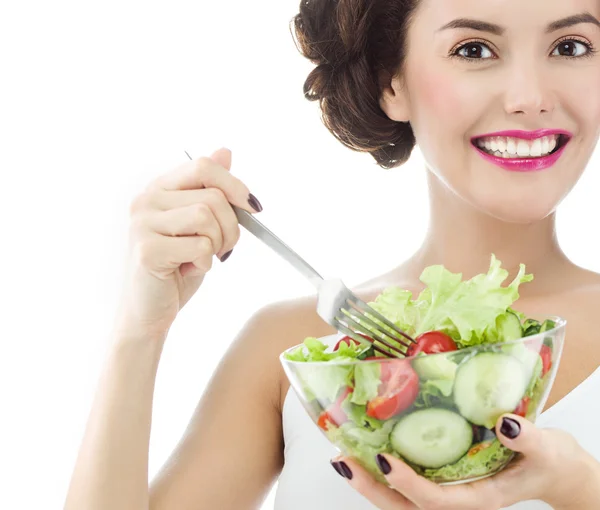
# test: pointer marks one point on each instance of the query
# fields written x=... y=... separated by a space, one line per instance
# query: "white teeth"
x=545 y=145
x=536 y=149
x=510 y=147
x=523 y=148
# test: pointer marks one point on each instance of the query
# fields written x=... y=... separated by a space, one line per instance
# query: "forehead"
x=512 y=14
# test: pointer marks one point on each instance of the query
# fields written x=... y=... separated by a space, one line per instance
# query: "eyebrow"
x=484 y=26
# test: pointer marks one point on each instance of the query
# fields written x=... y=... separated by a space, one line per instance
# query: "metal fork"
x=336 y=304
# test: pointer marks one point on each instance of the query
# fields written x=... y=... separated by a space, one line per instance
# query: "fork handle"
x=255 y=227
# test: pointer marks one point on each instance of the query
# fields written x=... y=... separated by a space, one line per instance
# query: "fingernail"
x=336 y=466
x=225 y=256
x=345 y=469
x=383 y=464
x=510 y=428
x=254 y=203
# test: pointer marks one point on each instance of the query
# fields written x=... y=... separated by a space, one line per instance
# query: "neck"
x=462 y=239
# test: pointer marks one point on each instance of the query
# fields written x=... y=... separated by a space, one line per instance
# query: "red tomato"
x=347 y=341
x=334 y=414
x=522 y=408
x=432 y=342
x=546 y=354
x=398 y=390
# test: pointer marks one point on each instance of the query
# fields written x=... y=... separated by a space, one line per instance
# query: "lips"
x=522 y=150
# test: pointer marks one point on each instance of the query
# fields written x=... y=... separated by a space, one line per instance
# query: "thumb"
x=520 y=435
x=222 y=157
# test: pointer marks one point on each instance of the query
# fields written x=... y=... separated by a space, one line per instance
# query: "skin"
x=183 y=219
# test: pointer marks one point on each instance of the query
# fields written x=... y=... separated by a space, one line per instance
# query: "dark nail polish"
x=510 y=428
x=336 y=466
x=225 y=256
x=346 y=470
x=254 y=203
x=383 y=464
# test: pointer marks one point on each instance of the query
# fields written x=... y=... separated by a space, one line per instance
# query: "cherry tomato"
x=334 y=414
x=546 y=354
x=347 y=341
x=522 y=408
x=432 y=342
x=398 y=390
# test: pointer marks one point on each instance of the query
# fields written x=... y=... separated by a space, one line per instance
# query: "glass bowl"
x=437 y=412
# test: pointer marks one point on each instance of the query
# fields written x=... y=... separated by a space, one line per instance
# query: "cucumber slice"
x=531 y=327
x=489 y=385
x=547 y=325
x=435 y=366
x=432 y=437
x=509 y=327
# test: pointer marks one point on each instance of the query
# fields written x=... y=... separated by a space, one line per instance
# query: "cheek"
x=444 y=109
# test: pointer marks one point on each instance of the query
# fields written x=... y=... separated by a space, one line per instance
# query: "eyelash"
x=591 y=50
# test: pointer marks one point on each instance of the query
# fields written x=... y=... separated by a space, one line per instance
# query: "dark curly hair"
x=351 y=42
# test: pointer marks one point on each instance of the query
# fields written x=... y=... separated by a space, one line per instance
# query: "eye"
x=572 y=48
x=474 y=51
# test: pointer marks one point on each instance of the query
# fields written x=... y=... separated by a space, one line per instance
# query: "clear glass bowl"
x=436 y=412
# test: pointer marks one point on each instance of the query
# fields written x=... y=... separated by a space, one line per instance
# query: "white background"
x=97 y=100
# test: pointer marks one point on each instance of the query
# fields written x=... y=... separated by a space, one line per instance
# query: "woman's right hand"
x=178 y=224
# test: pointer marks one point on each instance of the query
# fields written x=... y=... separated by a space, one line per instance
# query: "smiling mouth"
x=509 y=147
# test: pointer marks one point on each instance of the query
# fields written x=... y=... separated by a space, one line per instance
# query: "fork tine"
x=358 y=315
x=347 y=331
x=375 y=335
x=362 y=306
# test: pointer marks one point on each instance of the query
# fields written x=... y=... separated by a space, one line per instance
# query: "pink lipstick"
x=526 y=163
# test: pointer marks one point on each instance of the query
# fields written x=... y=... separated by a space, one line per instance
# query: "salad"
x=437 y=408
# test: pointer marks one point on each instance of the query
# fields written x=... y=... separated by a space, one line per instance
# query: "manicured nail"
x=510 y=428
x=254 y=203
x=347 y=471
x=225 y=256
x=383 y=464
x=336 y=466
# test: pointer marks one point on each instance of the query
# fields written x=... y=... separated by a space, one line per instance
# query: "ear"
x=394 y=97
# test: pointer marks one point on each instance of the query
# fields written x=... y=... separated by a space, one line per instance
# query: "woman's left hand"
x=552 y=467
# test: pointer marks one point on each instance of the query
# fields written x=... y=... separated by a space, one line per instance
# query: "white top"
x=308 y=482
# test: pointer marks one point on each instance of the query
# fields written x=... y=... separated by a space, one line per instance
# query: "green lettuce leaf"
x=471 y=465
x=435 y=392
x=469 y=307
x=367 y=378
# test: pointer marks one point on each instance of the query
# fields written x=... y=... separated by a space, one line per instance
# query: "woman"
x=503 y=98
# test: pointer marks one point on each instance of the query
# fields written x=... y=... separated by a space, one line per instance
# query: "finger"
x=161 y=254
x=213 y=198
x=520 y=435
x=383 y=497
x=193 y=220
x=205 y=173
x=426 y=494
x=222 y=157
x=419 y=490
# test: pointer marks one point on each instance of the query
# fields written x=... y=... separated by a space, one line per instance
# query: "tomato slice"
x=432 y=342
x=522 y=408
x=398 y=390
x=334 y=414
x=546 y=354
x=347 y=341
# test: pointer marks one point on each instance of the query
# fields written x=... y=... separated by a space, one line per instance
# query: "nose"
x=528 y=91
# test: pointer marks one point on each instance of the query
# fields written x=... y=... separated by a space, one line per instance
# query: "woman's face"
x=486 y=77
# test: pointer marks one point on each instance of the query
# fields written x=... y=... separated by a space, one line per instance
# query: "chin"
x=523 y=212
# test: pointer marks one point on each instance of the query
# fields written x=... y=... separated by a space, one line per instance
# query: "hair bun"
x=350 y=41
